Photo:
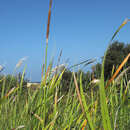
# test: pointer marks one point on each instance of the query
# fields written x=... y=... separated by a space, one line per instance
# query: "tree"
x=115 y=55
x=97 y=70
x=66 y=81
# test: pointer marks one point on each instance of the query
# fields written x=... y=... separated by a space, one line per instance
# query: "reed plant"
x=46 y=108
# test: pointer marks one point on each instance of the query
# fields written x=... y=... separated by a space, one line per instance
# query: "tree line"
x=116 y=53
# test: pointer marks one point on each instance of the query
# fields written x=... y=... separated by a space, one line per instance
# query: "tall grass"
x=49 y=108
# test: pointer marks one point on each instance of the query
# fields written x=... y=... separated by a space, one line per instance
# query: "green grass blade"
x=85 y=105
x=121 y=26
x=104 y=108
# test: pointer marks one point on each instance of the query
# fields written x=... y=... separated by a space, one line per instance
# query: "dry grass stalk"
x=78 y=93
x=19 y=127
x=42 y=70
x=38 y=117
x=118 y=70
x=84 y=124
x=46 y=75
x=60 y=98
x=59 y=59
x=21 y=62
x=55 y=103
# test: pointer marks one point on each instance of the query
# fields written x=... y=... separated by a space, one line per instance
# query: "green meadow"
x=101 y=104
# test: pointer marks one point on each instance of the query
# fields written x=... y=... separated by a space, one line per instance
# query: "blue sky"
x=81 y=28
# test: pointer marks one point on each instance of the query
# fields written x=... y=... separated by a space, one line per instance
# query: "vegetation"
x=59 y=110
x=116 y=52
x=10 y=81
x=68 y=100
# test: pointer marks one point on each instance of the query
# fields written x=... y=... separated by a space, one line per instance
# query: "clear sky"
x=82 y=28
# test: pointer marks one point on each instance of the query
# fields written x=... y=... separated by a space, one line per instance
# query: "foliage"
x=10 y=81
x=67 y=80
x=117 y=51
x=48 y=108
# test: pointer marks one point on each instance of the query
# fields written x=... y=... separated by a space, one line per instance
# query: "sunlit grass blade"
x=125 y=60
x=84 y=124
x=104 y=108
x=118 y=70
x=122 y=25
x=22 y=78
x=3 y=99
x=87 y=113
x=78 y=93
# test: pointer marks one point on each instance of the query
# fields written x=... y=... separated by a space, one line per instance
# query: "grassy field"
x=107 y=108
x=49 y=108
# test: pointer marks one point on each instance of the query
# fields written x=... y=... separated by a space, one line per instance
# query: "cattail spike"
x=48 y=23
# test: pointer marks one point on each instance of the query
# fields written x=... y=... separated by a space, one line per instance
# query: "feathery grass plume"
x=1 y=68
x=118 y=70
x=20 y=62
x=95 y=81
x=2 y=79
x=58 y=69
